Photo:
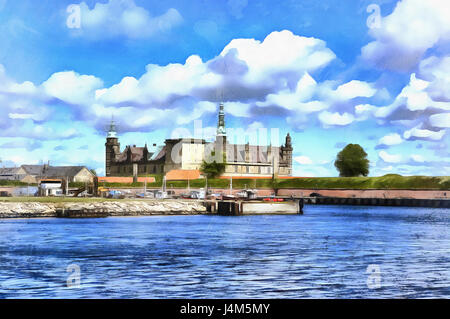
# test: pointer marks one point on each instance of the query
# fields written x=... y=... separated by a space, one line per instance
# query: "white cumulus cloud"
x=390 y=139
x=72 y=87
x=390 y=158
x=304 y=160
x=407 y=33
x=330 y=119
x=418 y=133
x=354 y=89
x=440 y=120
x=124 y=18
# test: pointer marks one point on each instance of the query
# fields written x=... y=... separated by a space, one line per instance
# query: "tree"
x=212 y=169
x=352 y=161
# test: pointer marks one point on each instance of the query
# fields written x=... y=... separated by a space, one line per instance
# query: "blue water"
x=322 y=254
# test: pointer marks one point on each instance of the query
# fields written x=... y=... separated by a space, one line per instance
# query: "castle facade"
x=188 y=154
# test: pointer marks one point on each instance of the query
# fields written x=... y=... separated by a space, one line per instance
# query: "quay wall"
x=101 y=209
x=369 y=193
x=400 y=202
x=340 y=193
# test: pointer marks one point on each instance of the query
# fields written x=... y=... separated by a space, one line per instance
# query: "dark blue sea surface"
x=329 y=252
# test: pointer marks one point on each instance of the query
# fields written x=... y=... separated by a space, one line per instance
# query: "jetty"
x=255 y=207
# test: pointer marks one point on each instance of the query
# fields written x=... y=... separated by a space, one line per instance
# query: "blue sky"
x=330 y=72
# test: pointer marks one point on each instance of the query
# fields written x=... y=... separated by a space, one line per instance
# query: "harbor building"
x=34 y=173
x=188 y=154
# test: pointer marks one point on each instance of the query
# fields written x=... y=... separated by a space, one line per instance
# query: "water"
x=322 y=254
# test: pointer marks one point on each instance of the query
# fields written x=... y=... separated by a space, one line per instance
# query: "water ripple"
x=322 y=254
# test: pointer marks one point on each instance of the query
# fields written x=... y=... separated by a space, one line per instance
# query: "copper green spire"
x=221 y=131
x=112 y=129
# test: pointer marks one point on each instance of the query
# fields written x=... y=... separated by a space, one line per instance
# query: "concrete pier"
x=254 y=207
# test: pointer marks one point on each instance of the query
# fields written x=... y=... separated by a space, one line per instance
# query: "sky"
x=330 y=73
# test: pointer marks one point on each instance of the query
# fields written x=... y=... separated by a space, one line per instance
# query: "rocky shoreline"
x=107 y=208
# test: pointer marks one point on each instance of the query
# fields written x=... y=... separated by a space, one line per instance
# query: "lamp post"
x=231 y=185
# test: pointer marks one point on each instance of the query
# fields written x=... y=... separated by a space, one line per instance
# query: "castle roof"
x=159 y=154
x=137 y=154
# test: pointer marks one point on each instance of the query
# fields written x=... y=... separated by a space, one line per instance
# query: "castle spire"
x=288 y=140
x=221 y=131
x=112 y=133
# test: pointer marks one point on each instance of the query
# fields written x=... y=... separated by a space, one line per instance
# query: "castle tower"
x=112 y=146
x=221 y=131
x=286 y=153
x=221 y=136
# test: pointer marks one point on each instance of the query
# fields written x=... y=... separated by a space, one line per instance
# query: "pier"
x=254 y=207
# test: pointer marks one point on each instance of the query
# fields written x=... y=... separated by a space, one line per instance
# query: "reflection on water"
x=324 y=253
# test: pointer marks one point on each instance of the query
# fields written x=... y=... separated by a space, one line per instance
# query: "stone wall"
x=369 y=193
x=342 y=193
x=111 y=208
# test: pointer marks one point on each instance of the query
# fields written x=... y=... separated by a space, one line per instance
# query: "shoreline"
x=100 y=209
x=97 y=208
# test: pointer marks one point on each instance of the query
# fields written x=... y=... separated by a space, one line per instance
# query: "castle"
x=188 y=154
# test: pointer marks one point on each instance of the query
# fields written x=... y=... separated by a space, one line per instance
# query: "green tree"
x=352 y=161
x=212 y=169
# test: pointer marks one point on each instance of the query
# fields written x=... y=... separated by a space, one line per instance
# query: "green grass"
x=390 y=181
